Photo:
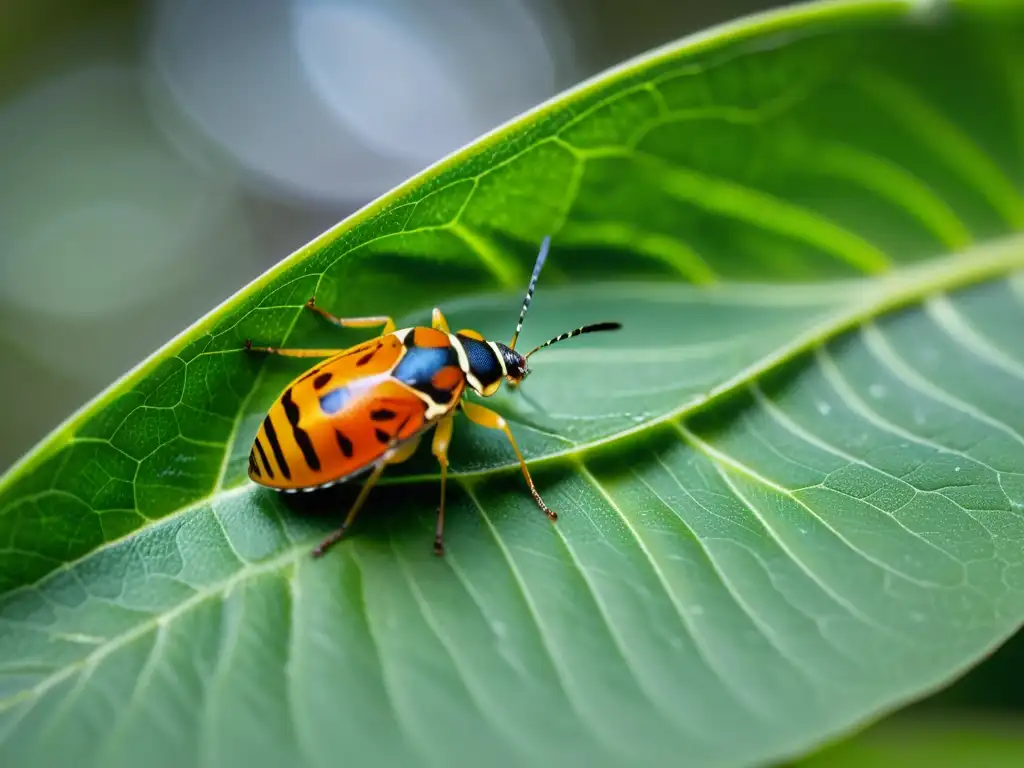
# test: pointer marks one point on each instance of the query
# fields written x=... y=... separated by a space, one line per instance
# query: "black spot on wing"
x=344 y=443
x=382 y=414
x=358 y=350
x=291 y=410
x=322 y=380
x=382 y=436
x=368 y=356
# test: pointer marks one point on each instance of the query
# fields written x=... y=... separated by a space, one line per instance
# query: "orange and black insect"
x=366 y=407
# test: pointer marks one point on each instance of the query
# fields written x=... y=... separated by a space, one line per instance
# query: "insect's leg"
x=442 y=437
x=405 y=451
x=372 y=321
x=291 y=352
x=439 y=322
x=400 y=454
x=335 y=536
x=485 y=417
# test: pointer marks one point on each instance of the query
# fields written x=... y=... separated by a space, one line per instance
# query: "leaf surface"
x=791 y=489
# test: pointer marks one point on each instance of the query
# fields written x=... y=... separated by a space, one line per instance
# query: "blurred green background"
x=159 y=154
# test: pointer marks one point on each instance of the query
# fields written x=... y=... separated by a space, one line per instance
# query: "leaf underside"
x=791 y=489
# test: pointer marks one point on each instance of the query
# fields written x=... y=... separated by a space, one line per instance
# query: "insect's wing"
x=336 y=419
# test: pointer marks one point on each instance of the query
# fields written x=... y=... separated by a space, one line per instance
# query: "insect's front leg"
x=438 y=321
x=485 y=417
x=439 y=447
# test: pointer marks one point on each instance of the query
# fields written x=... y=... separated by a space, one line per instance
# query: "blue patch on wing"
x=419 y=364
x=334 y=400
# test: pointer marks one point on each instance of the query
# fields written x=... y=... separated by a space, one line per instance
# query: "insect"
x=367 y=407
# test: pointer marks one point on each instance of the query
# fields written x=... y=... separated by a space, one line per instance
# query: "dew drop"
x=824 y=408
x=956 y=469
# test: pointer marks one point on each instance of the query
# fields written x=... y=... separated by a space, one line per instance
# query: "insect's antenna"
x=578 y=332
x=541 y=257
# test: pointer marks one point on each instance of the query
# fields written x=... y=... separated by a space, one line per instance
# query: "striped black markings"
x=275 y=446
x=322 y=380
x=253 y=466
x=263 y=456
x=291 y=410
x=344 y=443
x=382 y=414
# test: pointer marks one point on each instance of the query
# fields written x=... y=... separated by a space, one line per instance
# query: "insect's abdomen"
x=329 y=439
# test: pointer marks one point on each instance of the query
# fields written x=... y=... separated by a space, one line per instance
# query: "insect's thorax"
x=432 y=356
x=480 y=360
x=430 y=366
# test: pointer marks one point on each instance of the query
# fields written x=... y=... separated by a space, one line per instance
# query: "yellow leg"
x=442 y=437
x=439 y=322
x=291 y=352
x=354 y=322
x=402 y=453
x=335 y=536
x=485 y=417
x=405 y=451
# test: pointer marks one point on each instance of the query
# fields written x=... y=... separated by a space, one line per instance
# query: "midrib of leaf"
x=899 y=288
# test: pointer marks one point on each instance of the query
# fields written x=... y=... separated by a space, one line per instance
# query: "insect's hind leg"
x=485 y=417
x=290 y=352
x=371 y=321
x=338 y=534
x=400 y=454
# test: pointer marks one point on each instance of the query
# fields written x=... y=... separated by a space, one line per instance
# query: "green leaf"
x=936 y=742
x=791 y=489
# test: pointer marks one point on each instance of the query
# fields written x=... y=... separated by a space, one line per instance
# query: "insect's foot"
x=439 y=547
x=544 y=507
x=247 y=346
x=311 y=303
x=321 y=549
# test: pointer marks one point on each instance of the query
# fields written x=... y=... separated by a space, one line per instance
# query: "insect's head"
x=516 y=366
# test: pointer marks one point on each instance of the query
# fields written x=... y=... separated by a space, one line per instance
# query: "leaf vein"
x=721 y=460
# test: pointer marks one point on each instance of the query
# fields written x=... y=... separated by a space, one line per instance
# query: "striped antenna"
x=577 y=332
x=541 y=257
